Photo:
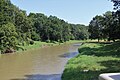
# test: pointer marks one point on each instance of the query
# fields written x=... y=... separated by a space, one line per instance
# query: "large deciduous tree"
x=95 y=27
x=8 y=37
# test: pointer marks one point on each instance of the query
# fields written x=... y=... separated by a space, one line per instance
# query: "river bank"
x=40 y=64
x=94 y=59
x=39 y=44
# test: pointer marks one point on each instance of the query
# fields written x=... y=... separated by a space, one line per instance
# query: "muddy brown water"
x=39 y=64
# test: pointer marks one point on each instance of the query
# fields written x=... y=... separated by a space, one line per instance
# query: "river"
x=38 y=64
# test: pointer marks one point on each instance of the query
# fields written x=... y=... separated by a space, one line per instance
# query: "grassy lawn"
x=94 y=59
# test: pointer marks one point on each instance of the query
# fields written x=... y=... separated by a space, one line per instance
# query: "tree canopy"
x=106 y=26
x=116 y=4
x=17 y=28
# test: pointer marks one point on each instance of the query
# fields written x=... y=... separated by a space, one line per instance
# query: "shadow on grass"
x=100 y=42
x=111 y=66
x=77 y=74
x=41 y=77
x=106 y=49
x=105 y=59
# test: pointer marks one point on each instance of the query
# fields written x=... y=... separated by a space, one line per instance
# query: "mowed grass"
x=94 y=59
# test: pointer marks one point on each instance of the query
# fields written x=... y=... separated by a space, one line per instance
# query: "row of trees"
x=54 y=29
x=106 y=26
x=17 y=28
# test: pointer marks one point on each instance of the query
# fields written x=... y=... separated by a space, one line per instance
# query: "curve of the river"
x=39 y=64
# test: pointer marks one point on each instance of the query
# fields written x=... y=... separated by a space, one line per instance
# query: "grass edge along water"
x=94 y=59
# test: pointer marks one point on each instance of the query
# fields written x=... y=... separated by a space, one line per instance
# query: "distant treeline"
x=106 y=26
x=17 y=28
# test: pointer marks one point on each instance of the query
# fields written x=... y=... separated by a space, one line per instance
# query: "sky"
x=72 y=11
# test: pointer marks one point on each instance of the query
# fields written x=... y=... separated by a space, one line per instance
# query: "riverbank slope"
x=94 y=59
x=39 y=44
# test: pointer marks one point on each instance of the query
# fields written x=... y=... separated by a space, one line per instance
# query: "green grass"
x=94 y=59
x=75 y=41
x=39 y=44
x=83 y=41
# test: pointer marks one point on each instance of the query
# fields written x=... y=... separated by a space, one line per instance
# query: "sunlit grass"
x=94 y=59
x=39 y=44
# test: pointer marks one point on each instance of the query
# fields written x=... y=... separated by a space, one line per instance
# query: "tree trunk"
x=98 y=39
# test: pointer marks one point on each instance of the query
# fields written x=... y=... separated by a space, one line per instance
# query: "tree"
x=109 y=26
x=116 y=4
x=23 y=25
x=95 y=27
x=16 y=26
x=8 y=37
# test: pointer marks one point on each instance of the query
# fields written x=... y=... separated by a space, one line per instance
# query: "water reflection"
x=69 y=55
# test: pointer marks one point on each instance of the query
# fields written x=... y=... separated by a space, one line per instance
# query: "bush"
x=31 y=42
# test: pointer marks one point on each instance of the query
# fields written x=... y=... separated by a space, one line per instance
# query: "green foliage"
x=34 y=27
x=95 y=27
x=94 y=59
x=106 y=26
x=116 y=4
x=14 y=26
x=35 y=36
x=54 y=29
x=31 y=42
x=8 y=37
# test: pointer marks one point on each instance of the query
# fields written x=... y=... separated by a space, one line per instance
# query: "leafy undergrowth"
x=94 y=59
